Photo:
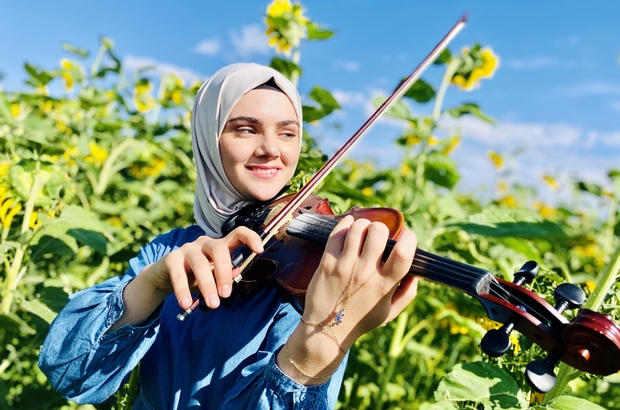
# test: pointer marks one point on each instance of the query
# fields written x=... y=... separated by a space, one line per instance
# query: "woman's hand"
x=351 y=276
x=204 y=264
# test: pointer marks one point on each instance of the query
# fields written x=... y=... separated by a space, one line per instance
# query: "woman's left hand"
x=351 y=268
x=351 y=276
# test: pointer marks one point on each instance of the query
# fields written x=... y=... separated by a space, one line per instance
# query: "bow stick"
x=243 y=257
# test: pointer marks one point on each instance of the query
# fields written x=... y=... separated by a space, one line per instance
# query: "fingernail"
x=184 y=303
x=214 y=301
x=259 y=247
x=225 y=291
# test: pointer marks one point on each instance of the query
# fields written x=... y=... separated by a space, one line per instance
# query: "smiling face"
x=260 y=144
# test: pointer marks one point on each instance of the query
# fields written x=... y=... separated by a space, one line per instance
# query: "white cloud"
x=250 y=40
x=133 y=63
x=611 y=139
x=594 y=88
x=567 y=152
x=350 y=98
x=346 y=65
x=533 y=63
x=208 y=47
x=515 y=134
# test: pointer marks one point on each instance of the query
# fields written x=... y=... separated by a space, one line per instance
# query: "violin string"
x=440 y=268
x=453 y=273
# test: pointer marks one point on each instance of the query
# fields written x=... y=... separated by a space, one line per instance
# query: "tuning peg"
x=540 y=374
x=526 y=273
x=568 y=296
x=496 y=342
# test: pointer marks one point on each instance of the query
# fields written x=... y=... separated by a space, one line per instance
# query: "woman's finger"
x=352 y=247
x=246 y=236
x=174 y=266
x=336 y=241
x=404 y=294
x=400 y=259
x=213 y=271
x=374 y=244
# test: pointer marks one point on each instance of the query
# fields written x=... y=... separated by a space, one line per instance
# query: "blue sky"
x=556 y=95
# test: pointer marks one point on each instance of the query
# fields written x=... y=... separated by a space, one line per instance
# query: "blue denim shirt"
x=221 y=360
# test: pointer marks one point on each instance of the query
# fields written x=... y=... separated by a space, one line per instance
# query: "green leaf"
x=337 y=187
x=481 y=382
x=75 y=50
x=324 y=97
x=525 y=248
x=5 y=109
x=107 y=208
x=12 y=320
x=420 y=91
x=398 y=109
x=449 y=207
x=39 y=76
x=286 y=67
x=327 y=104
x=594 y=189
x=316 y=32
x=518 y=223
x=570 y=403
x=52 y=239
x=444 y=405
x=55 y=298
x=472 y=109
x=444 y=57
x=78 y=217
x=37 y=308
x=441 y=170
x=90 y=238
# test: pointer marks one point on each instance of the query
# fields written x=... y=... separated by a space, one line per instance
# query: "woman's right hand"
x=203 y=264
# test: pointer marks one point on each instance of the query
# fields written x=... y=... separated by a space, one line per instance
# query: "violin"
x=590 y=342
x=295 y=229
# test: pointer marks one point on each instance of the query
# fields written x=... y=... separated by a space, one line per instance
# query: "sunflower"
x=475 y=64
x=286 y=25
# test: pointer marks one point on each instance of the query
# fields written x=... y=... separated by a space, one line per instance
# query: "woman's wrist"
x=140 y=299
x=311 y=355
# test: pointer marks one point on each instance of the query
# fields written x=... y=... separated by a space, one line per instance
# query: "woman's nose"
x=268 y=146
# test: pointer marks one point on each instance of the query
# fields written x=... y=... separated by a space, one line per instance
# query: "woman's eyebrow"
x=288 y=122
x=244 y=119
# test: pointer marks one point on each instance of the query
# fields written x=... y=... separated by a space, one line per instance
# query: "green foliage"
x=89 y=174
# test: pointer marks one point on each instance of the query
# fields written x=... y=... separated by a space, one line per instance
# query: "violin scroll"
x=590 y=342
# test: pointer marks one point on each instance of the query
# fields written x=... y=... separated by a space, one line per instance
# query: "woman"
x=258 y=353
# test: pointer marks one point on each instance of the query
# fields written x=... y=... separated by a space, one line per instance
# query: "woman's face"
x=260 y=144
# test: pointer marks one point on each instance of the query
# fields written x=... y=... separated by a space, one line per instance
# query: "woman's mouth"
x=263 y=172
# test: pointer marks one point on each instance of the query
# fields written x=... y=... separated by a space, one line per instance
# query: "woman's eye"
x=288 y=134
x=244 y=130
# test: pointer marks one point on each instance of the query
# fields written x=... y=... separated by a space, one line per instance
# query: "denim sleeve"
x=83 y=362
x=273 y=389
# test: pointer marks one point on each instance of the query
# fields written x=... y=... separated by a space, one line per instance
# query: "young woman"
x=258 y=353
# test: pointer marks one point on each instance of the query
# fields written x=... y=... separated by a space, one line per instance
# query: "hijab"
x=216 y=199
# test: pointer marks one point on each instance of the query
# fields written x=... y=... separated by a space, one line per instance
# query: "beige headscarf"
x=216 y=198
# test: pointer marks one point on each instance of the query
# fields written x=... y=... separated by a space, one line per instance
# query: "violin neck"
x=435 y=268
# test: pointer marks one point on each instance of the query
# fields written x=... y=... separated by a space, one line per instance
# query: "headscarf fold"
x=216 y=199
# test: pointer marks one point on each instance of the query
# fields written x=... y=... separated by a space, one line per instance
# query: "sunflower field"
x=92 y=172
